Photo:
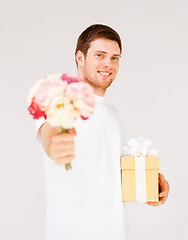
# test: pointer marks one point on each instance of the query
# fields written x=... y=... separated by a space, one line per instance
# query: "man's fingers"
x=162 y=198
x=72 y=131
x=62 y=154
x=163 y=194
x=65 y=160
x=64 y=146
x=63 y=137
x=154 y=204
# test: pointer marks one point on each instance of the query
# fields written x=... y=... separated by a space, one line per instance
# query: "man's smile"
x=104 y=73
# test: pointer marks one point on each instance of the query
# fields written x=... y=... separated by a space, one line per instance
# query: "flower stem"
x=67 y=165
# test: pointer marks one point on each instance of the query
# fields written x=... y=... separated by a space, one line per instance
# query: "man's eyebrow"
x=118 y=55
x=115 y=54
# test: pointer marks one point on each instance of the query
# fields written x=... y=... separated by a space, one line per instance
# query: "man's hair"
x=94 y=32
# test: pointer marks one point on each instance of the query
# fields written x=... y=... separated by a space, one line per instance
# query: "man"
x=85 y=202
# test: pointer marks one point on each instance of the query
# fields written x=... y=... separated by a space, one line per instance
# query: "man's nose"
x=107 y=62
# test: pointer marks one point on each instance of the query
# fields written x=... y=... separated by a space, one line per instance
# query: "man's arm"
x=164 y=191
x=59 y=146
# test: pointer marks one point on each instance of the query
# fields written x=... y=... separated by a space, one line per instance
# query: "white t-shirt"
x=85 y=203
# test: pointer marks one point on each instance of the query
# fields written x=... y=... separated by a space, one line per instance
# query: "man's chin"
x=104 y=83
x=99 y=82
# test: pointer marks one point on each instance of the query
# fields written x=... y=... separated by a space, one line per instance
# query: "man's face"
x=101 y=64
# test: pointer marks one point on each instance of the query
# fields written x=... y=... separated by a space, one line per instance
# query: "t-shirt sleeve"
x=39 y=123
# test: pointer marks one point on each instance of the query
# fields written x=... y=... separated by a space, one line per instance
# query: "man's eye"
x=99 y=55
x=115 y=58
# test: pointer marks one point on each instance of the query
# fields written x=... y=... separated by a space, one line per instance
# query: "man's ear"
x=80 y=58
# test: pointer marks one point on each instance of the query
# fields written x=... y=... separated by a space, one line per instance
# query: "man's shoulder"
x=111 y=107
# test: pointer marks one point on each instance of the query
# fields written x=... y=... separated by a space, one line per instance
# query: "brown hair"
x=93 y=32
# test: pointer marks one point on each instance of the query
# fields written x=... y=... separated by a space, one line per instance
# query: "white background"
x=38 y=38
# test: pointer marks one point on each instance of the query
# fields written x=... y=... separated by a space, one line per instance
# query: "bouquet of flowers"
x=61 y=100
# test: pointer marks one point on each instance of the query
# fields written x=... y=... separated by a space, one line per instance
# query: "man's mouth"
x=104 y=73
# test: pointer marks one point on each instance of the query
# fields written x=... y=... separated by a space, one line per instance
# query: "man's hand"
x=163 y=191
x=57 y=145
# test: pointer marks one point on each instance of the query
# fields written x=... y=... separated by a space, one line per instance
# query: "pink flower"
x=46 y=89
x=84 y=118
x=69 y=80
x=82 y=95
x=35 y=111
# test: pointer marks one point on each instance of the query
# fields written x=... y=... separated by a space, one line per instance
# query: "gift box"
x=139 y=178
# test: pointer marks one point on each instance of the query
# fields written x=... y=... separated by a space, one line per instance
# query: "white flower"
x=62 y=113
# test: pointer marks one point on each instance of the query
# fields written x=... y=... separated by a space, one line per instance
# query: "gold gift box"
x=129 y=180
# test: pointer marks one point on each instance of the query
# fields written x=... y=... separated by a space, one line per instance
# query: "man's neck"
x=99 y=92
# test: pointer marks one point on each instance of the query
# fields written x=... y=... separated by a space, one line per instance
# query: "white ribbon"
x=140 y=178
